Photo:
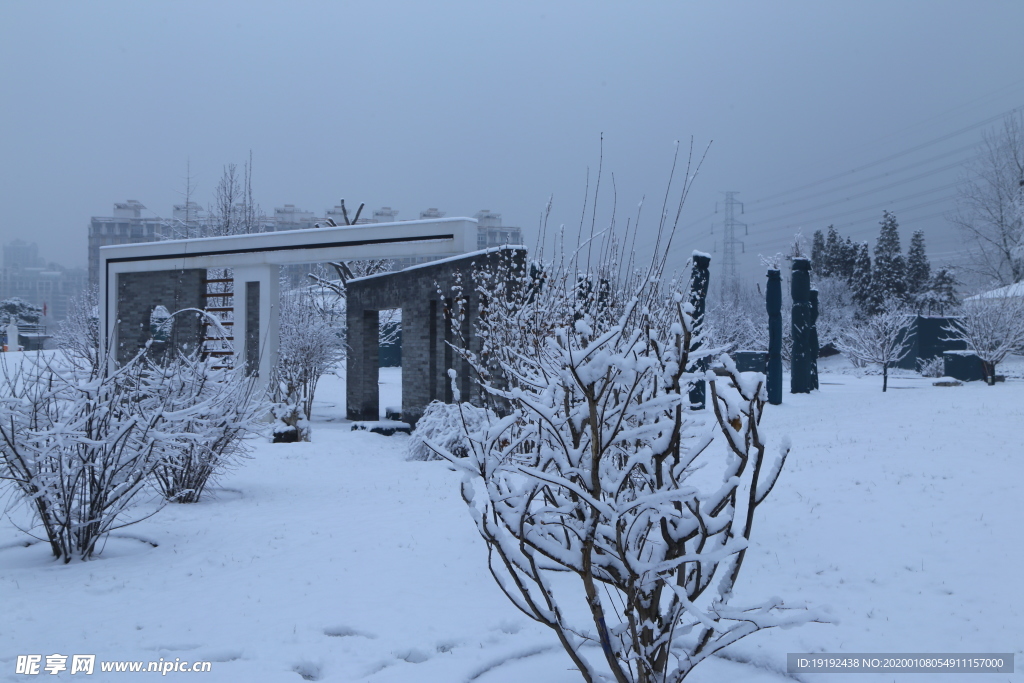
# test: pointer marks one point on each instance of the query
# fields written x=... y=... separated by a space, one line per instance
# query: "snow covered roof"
x=456 y=257
x=1014 y=290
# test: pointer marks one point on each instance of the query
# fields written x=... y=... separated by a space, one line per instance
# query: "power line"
x=941 y=188
x=876 y=177
x=891 y=205
x=897 y=155
x=861 y=181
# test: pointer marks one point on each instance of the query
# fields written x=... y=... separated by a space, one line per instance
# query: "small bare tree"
x=78 y=335
x=881 y=339
x=309 y=347
x=329 y=294
x=226 y=214
x=992 y=327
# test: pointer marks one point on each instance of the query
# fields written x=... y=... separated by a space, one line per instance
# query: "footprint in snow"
x=308 y=670
x=345 y=632
x=412 y=655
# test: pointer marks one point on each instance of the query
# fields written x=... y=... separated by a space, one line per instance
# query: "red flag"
x=44 y=309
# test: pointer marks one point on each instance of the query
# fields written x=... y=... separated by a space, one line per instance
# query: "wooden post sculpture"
x=698 y=296
x=815 y=348
x=773 y=302
x=800 y=363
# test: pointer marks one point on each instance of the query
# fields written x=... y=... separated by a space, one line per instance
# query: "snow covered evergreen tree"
x=889 y=273
x=20 y=311
x=833 y=254
x=918 y=276
x=818 y=253
x=861 y=279
x=848 y=258
x=941 y=295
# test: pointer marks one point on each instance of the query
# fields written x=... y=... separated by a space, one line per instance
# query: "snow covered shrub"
x=211 y=411
x=78 y=448
x=931 y=367
x=446 y=425
x=592 y=472
x=596 y=489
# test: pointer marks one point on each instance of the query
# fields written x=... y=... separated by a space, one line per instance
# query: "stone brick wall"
x=252 y=327
x=139 y=293
x=426 y=357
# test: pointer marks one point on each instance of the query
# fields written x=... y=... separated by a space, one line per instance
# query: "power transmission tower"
x=730 y=278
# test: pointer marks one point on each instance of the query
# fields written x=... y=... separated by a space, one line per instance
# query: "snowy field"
x=339 y=560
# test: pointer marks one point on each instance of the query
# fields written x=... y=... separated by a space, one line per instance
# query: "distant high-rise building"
x=290 y=218
x=19 y=254
x=385 y=214
x=126 y=226
x=27 y=276
x=491 y=233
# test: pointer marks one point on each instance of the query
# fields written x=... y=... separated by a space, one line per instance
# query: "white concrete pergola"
x=256 y=258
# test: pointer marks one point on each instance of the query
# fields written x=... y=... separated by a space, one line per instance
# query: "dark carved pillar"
x=773 y=302
x=800 y=364
x=698 y=297
x=815 y=349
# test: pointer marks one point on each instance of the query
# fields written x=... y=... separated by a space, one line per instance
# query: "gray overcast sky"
x=470 y=105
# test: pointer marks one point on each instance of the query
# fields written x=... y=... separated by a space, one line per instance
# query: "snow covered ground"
x=340 y=560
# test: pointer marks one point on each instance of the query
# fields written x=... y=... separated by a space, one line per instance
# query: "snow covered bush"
x=77 y=448
x=592 y=470
x=881 y=339
x=931 y=367
x=993 y=328
x=610 y=511
x=212 y=411
x=446 y=425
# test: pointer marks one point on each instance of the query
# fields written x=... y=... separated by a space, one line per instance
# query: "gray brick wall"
x=139 y=293
x=252 y=328
x=426 y=357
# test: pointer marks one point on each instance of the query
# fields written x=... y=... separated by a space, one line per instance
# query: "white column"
x=269 y=304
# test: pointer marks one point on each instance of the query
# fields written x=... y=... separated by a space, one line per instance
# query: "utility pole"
x=730 y=278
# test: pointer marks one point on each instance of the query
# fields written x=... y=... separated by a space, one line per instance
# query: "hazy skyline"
x=466 y=105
